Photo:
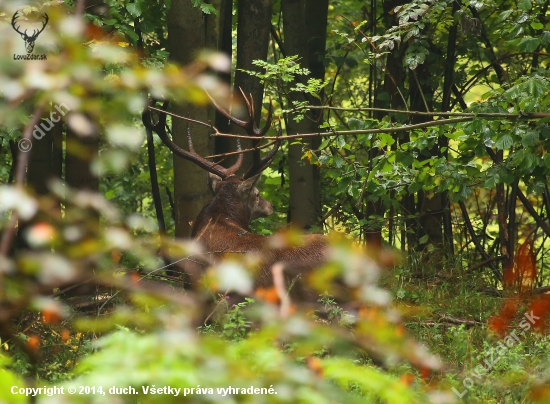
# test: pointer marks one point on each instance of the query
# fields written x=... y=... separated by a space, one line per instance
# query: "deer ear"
x=214 y=180
x=246 y=186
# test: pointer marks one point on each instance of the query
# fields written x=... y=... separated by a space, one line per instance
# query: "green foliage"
x=278 y=78
x=206 y=8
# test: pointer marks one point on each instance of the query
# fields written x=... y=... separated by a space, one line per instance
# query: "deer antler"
x=160 y=129
x=259 y=164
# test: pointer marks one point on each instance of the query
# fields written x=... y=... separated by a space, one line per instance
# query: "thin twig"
x=20 y=172
x=534 y=115
x=183 y=117
x=404 y=128
x=486 y=262
x=242 y=151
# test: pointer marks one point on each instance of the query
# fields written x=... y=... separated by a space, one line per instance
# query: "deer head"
x=236 y=198
x=28 y=38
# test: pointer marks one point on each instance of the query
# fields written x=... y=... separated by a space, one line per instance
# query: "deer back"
x=222 y=228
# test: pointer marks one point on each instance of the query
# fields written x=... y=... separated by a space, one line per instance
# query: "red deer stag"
x=222 y=226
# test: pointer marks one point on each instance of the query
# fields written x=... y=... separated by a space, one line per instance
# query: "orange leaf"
x=65 y=335
x=501 y=321
x=134 y=277
x=269 y=295
x=407 y=379
x=34 y=342
x=540 y=308
x=51 y=317
x=425 y=372
x=526 y=267
x=315 y=365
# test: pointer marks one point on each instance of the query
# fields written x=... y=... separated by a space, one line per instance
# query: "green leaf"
x=518 y=157
x=530 y=138
x=134 y=9
x=355 y=124
x=204 y=7
x=545 y=38
x=528 y=44
x=524 y=5
x=325 y=143
x=504 y=16
x=414 y=187
x=505 y=142
x=492 y=180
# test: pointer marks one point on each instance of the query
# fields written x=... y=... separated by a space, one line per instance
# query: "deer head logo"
x=28 y=38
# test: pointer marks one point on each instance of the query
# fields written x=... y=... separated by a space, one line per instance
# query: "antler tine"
x=253 y=131
x=228 y=172
x=222 y=111
x=249 y=106
x=263 y=163
x=160 y=129
x=235 y=167
x=263 y=131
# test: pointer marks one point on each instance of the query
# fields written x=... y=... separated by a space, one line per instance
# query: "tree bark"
x=253 y=30
x=189 y=32
x=225 y=144
x=304 y=27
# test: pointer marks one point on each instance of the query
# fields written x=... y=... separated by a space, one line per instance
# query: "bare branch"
x=20 y=172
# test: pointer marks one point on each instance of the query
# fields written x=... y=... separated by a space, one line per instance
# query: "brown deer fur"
x=222 y=227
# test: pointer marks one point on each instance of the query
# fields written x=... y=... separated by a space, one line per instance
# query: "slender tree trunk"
x=448 y=83
x=44 y=164
x=189 y=32
x=40 y=167
x=81 y=151
x=224 y=144
x=253 y=30
x=393 y=83
x=430 y=203
x=304 y=27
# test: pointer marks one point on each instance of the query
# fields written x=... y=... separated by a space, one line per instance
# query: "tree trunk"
x=225 y=144
x=448 y=84
x=189 y=32
x=430 y=203
x=304 y=27
x=40 y=167
x=44 y=164
x=253 y=28
x=393 y=82
x=81 y=151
